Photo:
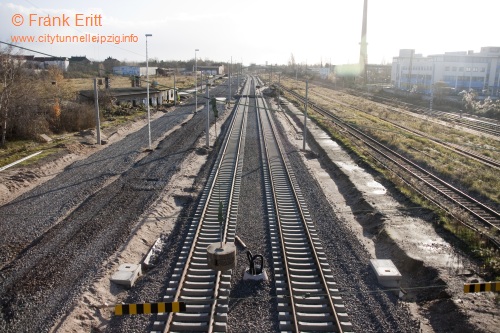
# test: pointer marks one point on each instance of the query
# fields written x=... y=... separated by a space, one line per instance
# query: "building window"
x=454 y=69
x=447 y=69
x=467 y=69
x=460 y=69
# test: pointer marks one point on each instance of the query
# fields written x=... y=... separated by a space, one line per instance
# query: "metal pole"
x=432 y=86
x=208 y=118
x=229 y=99
x=147 y=91
x=271 y=75
x=195 y=82
x=305 y=118
x=97 y=119
x=432 y=96
x=498 y=85
x=279 y=83
x=175 y=92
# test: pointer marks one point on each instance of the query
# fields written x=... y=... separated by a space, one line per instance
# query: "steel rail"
x=307 y=279
x=489 y=217
x=206 y=291
x=488 y=161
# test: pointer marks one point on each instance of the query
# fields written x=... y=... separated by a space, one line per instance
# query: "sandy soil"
x=405 y=235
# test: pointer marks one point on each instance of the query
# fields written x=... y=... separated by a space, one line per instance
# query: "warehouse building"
x=457 y=70
x=210 y=70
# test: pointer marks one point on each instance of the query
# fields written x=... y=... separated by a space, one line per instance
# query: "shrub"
x=77 y=117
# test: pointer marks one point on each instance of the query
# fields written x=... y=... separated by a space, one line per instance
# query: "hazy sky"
x=254 y=31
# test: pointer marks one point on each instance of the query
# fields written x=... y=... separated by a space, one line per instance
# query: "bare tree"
x=10 y=72
x=469 y=100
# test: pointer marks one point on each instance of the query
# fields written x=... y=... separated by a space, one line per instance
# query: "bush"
x=76 y=117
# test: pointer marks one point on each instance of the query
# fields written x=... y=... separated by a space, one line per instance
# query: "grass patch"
x=370 y=117
x=16 y=150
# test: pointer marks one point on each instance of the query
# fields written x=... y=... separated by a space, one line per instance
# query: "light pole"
x=147 y=90
x=195 y=82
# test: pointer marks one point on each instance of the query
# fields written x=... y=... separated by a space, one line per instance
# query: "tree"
x=487 y=108
x=469 y=100
x=109 y=63
x=10 y=72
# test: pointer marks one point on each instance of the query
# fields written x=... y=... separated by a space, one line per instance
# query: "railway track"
x=308 y=298
x=483 y=125
x=488 y=161
x=491 y=127
x=481 y=218
x=204 y=290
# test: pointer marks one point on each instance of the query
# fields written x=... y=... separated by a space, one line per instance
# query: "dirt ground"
x=425 y=259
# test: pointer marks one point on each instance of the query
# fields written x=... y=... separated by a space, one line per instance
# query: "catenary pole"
x=305 y=118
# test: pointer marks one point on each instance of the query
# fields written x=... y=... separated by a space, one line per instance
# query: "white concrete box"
x=387 y=273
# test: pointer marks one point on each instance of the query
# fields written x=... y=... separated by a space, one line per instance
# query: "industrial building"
x=456 y=70
x=210 y=70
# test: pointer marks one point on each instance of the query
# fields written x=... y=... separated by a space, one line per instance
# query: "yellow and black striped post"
x=147 y=308
x=482 y=287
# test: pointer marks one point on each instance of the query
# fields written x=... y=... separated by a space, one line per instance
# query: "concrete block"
x=387 y=273
x=259 y=277
x=127 y=274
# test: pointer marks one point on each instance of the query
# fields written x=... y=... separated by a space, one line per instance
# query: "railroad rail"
x=446 y=196
x=488 y=161
x=205 y=291
x=484 y=125
x=308 y=298
x=491 y=126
